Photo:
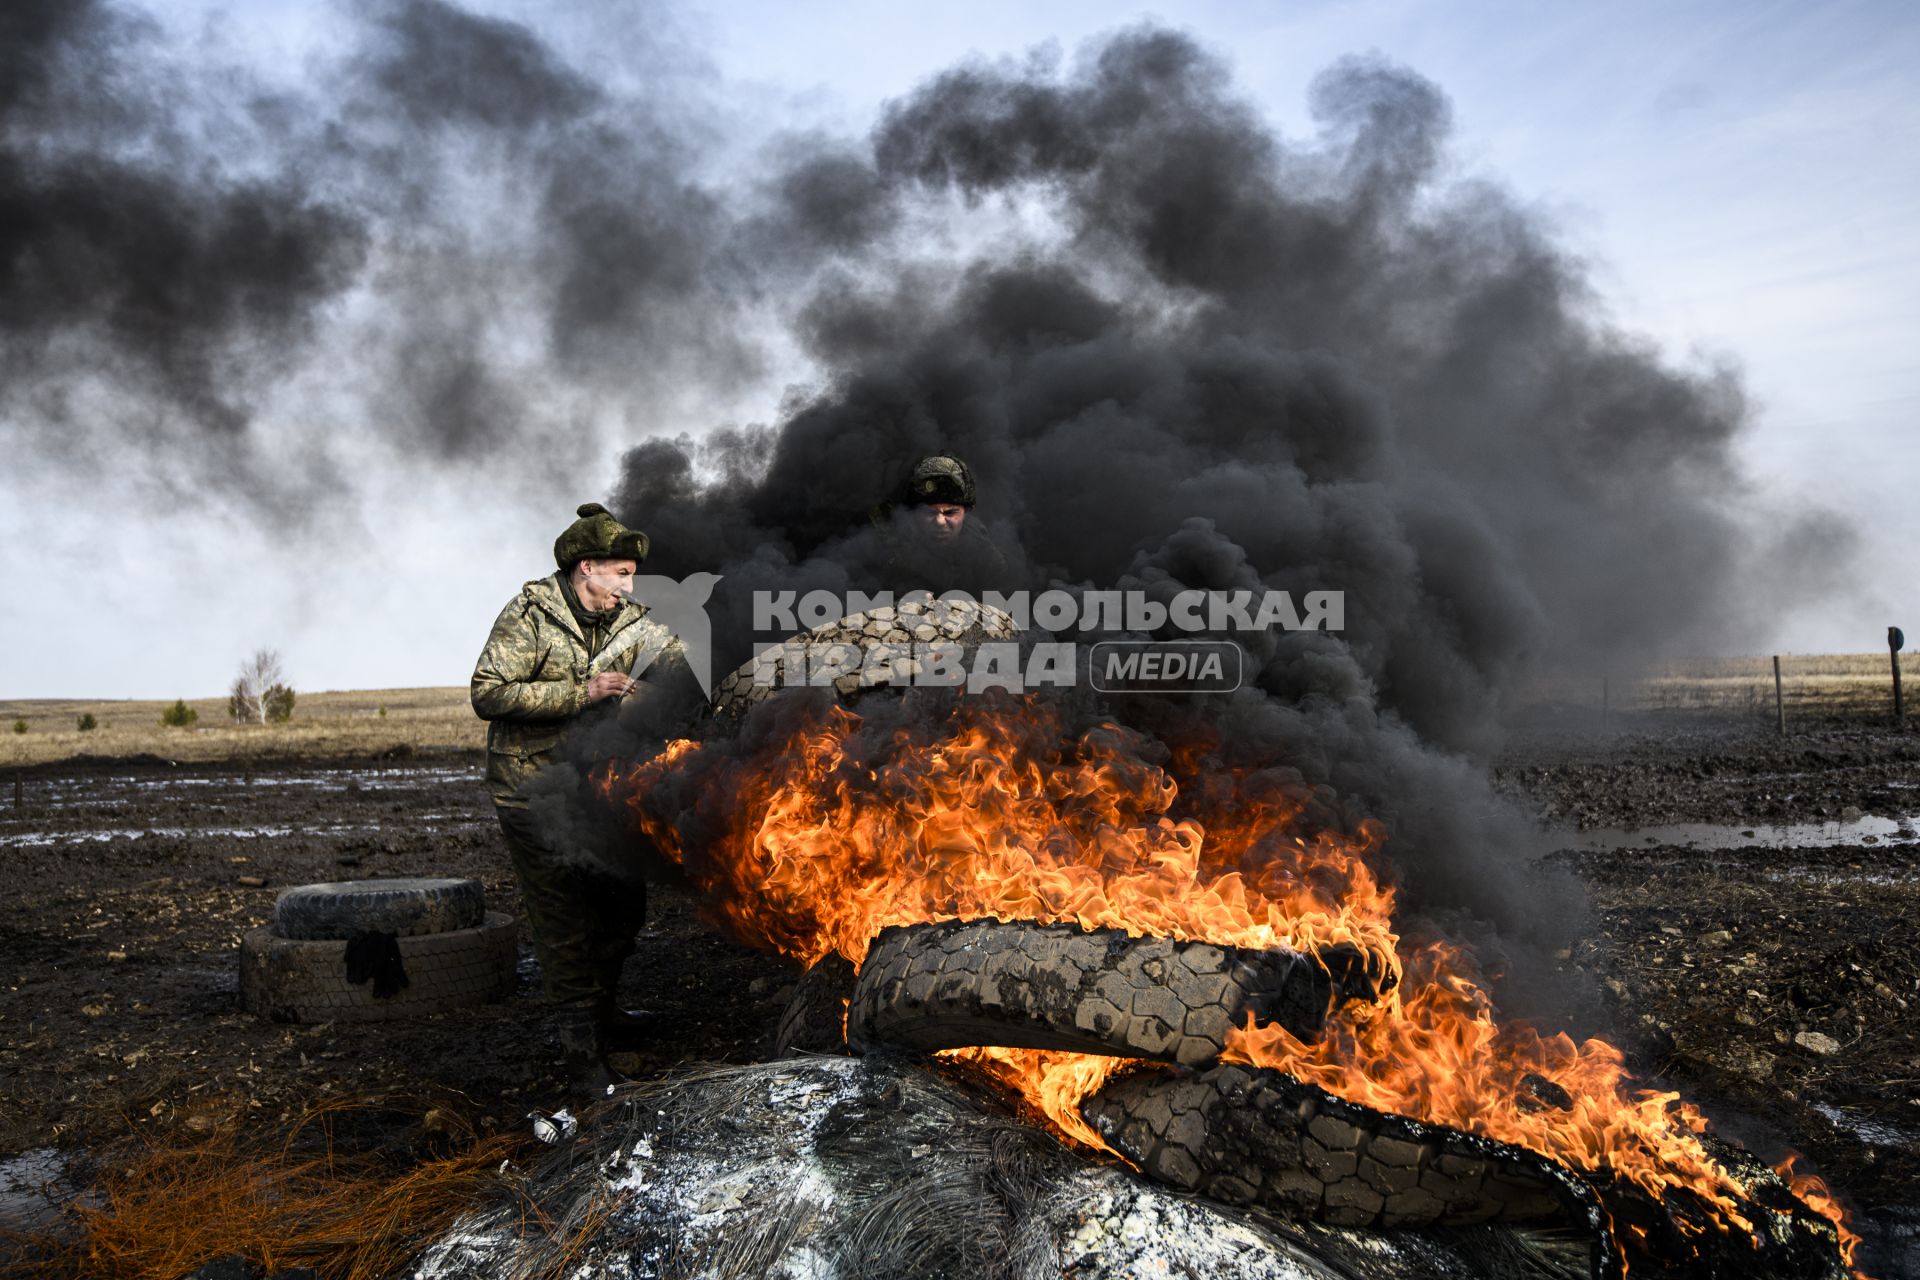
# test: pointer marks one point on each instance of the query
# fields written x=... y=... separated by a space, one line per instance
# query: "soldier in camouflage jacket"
x=566 y=643
x=532 y=679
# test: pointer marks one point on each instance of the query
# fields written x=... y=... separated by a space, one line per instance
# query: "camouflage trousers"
x=582 y=921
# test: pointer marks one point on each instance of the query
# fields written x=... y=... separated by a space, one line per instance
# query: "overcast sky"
x=1741 y=177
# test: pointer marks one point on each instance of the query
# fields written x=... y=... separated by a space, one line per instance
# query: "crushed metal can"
x=556 y=1128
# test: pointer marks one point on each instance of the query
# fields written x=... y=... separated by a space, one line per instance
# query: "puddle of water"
x=96 y=835
x=331 y=780
x=1891 y=1244
x=1718 y=835
x=59 y=791
x=1875 y=1133
x=1831 y=878
x=97 y=797
x=42 y=839
x=33 y=1186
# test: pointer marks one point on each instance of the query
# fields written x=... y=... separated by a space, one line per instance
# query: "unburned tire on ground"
x=815 y=1019
x=402 y=907
x=1032 y=986
x=1249 y=1135
x=305 y=980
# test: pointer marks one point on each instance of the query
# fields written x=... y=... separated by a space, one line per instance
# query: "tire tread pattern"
x=815 y=1019
x=403 y=907
x=1023 y=985
x=305 y=980
x=1255 y=1136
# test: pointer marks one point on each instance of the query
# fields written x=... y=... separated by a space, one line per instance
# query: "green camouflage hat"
x=940 y=479
x=596 y=535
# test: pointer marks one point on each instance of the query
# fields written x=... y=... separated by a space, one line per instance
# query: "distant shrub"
x=88 y=724
x=19 y=726
x=383 y=713
x=262 y=679
x=242 y=705
x=277 y=703
x=179 y=715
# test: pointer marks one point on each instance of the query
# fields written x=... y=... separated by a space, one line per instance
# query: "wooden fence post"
x=1896 y=639
x=1779 y=698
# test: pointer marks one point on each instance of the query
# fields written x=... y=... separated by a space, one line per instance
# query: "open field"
x=359 y=723
x=1811 y=685
x=367 y=723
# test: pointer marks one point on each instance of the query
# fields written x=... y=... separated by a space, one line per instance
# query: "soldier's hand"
x=609 y=684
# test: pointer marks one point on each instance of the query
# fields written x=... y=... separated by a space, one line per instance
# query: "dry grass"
x=1837 y=684
x=351 y=723
x=282 y=1199
x=1831 y=684
x=324 y=724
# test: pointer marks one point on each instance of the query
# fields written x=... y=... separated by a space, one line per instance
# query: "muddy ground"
x=1774 y=978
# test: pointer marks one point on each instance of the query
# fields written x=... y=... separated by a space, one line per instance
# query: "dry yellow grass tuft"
x=282 y=1197
x=324 y=724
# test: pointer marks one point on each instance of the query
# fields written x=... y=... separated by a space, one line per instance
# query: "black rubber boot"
x=625 y=1028
x=584 y=1050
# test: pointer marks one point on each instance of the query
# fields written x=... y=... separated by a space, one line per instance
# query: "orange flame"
x=818 y=842
x=1817 y=1196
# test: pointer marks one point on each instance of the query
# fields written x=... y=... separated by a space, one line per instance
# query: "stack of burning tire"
x=1235 y=1133
x=375 y=950
x=1250 y=1135
x=1239 y=1134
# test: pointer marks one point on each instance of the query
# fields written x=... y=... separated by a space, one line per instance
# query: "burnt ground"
x=1777 y=986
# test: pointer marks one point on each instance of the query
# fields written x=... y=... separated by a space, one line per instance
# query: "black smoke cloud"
x=446 y=245
x=125 y=252
x=1177 y=349
x=1360 y=373
x=1236 y=362
x=444 y=67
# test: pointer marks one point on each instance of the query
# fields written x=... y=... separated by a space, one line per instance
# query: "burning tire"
x=305 y=980
x=1248 y=1135
x=815 y=1020
x=1239 y=1134
x=875 y=649
x=982 y=982
x=402 y=907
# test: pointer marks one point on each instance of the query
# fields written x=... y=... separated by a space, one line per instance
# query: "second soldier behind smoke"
x=932 y=539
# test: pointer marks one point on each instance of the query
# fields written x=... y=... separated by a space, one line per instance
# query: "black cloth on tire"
x=375 y=955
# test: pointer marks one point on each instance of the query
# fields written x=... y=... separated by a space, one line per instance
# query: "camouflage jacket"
x=531 y=679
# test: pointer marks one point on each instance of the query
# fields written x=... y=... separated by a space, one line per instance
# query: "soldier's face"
x=941 y=520
x=604 y=583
